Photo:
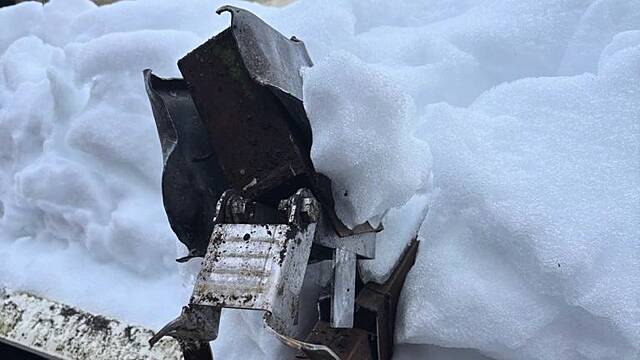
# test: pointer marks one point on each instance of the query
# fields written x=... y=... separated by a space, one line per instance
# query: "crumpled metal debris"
x=240 y=190
x=237 y=120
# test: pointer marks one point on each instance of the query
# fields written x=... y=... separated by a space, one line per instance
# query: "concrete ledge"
x=57 y=331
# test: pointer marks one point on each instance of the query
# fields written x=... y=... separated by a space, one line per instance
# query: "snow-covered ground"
x=516 y=123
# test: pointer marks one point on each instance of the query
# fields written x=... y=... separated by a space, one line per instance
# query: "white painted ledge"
x=57 y=331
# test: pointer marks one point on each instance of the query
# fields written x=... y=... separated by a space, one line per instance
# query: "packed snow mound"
x=362 y=138
x=532 y=240
x=512 y=125
x=70 y=117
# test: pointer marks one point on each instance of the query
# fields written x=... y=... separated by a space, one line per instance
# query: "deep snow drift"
x=516 y=123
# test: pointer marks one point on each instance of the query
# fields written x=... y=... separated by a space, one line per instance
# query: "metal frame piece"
x=344 y=288
x=381 y=301
x=362 y=244
x=374 y=319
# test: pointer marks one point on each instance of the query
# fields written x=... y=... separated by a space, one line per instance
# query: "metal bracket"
x=250 y=265
x=375 y=312
x=344 y=288
x=259 y=266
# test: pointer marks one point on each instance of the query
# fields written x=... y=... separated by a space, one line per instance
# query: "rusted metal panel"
x=275 y=62
x=257 y=149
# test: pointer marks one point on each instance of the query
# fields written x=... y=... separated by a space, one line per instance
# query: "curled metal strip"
x=301 y=345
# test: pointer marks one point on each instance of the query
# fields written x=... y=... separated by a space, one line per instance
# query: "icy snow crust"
x=514 y=123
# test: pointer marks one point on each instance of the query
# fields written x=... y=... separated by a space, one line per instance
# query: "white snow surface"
x=362 y=138
x=513 y=125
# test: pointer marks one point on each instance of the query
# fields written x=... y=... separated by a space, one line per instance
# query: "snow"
x=537 y=201
x=505 y=133
x=362 y=138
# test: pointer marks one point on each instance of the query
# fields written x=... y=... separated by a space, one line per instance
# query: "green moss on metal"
x=230 y=57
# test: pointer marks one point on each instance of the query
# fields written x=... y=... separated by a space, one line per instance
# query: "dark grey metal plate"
x=192 y=180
